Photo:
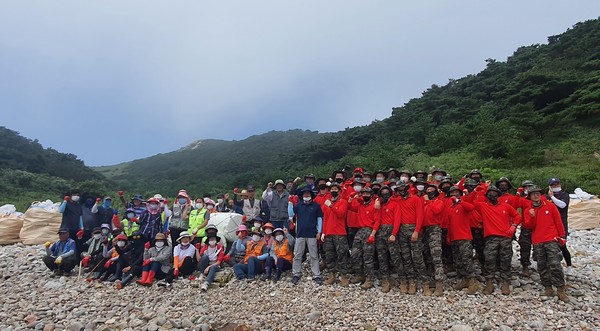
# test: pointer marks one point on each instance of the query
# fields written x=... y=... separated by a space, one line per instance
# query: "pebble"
x=313 y=316
x=75 y=326
x=504 y=328
x=461 y=327
x=486 y=326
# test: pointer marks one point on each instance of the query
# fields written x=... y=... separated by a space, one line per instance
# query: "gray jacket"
x=278 y=204
x=164 y=257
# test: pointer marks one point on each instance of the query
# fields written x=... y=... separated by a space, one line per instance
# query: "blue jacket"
x=68 y=249
x=309 y=219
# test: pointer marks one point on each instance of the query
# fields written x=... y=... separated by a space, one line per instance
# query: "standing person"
x=157 y=261
x=334 y=236
x=525 y=244
x=72 y=219
x=151 y=220
x=60 y=257
x=308 y=228
x=386 y=228
x=548 y=234
x=198 y=220
x=500 y=223
x=475 y=220
x=89 y=211
x=105 y=212
x=278 y=201
x=309 y=182
x=353 y=189
x=363 y=247
x=130 y=223
x=281 y=254
x=137 y=203
x=323 y=193
x=434 y=209
x=561 y=199
x=222 y=205
x=249 y=205
x=180 y=217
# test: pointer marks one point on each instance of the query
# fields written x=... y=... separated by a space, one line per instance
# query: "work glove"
x=120 y=193
x=47 y=244
x=560 y=241
x=520 y=191
x=86 y=261
x=227 y=258
x=328 y=203
x=511 y=231
x=98 y=200
x=147 y=245
x=134 y=220
x=198 y=246
x=146 y=262
x=107 y=264
x=176 y=273
x=80 y=234
x=166 y=202
x=67 y=198
x=371 y=240
x=58 y=260
x=235 y=190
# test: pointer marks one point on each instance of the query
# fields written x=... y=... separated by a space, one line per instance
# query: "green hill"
x=533 y=116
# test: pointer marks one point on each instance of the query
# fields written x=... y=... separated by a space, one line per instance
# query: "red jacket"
x=459 y=225
x=367 y=215
x=497 y=219
x=433 y=212
x=546 y=223
x=390 y=215
x=334 y=217
x=510 y=199
x=411 y=211
x=320 y=198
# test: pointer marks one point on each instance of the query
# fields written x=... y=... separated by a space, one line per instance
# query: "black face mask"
x=322 y=186
x=335 y=194
x=339 y=180
x=493 y=199
x=432 y=195
x=376 y=190
x=366 y=198
x=476 y=179
x=385 y=197
x=445 y=189
x=504 y=189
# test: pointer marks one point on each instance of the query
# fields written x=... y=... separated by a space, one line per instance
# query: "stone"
x=537 y=324
x=75 y=326
x=49 y=327
x=186 y=323
x=504 y=328
x=52 y=285
x=152 y=327
x=577 y=293
x=511 y=321
x=461 y=327
x=175 y=323
x=313 y=316
x=486 y=326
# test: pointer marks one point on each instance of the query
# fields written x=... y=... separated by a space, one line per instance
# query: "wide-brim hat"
x=279 y=182
x=241 y=228
x=160 y=236
x=184 y=234
x=278 y=230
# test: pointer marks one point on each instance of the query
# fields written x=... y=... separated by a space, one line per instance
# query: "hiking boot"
x=330 y=279
x=118 y=285
x=385 y=285
x=266 y=277
x=367 y=284
x=318 y=280
x=472 y=289
x=296 y=280
x=489 y=287
x=462 y=283
x=204 y=287
x=439 y=288
x=412 y=287
x=426 y=289
x=548 y=291
x=112 y=278
x=505 y=288
x=526 y=272
x=403 y=286
x=344 y=281
x=562 y=294
x=357 y=279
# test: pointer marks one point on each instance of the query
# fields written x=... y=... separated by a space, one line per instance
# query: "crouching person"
x=60 y=256
x=211 y=257
x=548 y=234
x=134 y=250
x=157 y=261
x=256 y=252
x=281 y=254
x=92 y=257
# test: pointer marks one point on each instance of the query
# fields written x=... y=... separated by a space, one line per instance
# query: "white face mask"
x=439 y=178
x=380 y=179
x=210 y=207
x=130 y=215
x=279 y=237
x=105 y=231
x=121 y=243
x=219 y=201
x=199 y=205
x=556 y=189
x=256 y=238
x=212 y=242
x=153 y=206
x=420 y=187
x=357 y=188
x=159 y=244
x=75 y=198
x=97 y=236
x=257 y=225
x=268 y=231
x=404 y=178
x=306 y=199
x=366 y=179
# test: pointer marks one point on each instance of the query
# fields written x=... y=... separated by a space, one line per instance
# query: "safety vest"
x=254 y=249
x=130 y=227
x=177 y=221
x=197 y=218
x=283 y=250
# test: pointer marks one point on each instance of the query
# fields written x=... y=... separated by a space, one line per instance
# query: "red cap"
x=358 y=169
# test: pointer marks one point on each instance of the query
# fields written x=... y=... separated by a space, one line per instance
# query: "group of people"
x=357 y=226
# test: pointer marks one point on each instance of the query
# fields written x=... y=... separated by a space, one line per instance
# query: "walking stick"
x=89 y=273
x=80 y=269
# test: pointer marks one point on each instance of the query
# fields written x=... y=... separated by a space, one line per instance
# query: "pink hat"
x=242 y=227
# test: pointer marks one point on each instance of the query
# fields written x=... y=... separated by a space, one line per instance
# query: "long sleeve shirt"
x=546 y=224
x=367 y=214
x=390 y=215
x=334 y=217
x=497 y=219
x=411 y=211
x=459 y=226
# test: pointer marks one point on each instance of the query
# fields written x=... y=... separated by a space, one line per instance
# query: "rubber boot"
x=439 y=288
x=403 y=286
x=426 y=289
x=367 y=284
x=142 y=280
x=330 y=280
x=344 y=281
x=385 y=285
x=548 y=291
x=357 y=279
x=472 y=289
x=412 y=287
x=505 y=288
x=562 y=294
x=463 y=283
x=150 y=278
x=489 y=287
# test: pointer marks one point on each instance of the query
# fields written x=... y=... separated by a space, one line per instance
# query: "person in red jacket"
x=334 y=236
x=500 y=223
x=475 y=220
x=548 y=233
x=525 y=245
x=447 y=259
x=434 y=208
x=459 y=235
x=363 y=247
x=411 y=221
x=352 y=219
x=387 y=227
x=323 y=192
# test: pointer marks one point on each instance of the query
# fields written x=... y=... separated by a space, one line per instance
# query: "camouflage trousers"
x=525 y=247
x=362 y=253
x=388 y=254
x=337 y=258
x=462 y=250
x=478 y=244
x=447 y=258
x=432 y=240
x=549 y=256
x=498 y=251
x=412 y=253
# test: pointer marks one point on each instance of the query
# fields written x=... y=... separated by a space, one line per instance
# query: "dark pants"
x=281 y=264
x=447 y=259
x=249 y=270
x=155 y=266
x=187 y=268
x=525 y=247
x=351 y=234
x=566 y=255
x=67 y=264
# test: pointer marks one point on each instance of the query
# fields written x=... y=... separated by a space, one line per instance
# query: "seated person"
x=157 y=261
x=185 y=259
x=256 y=253
x=211 y=257
x=61 y=257
x=281 y=254
x=238 y=249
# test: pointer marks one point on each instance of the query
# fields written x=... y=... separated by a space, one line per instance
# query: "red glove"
x=67 y=198
x=80 y=234
x=235 y=190
x=120 y=193
x=371 y=240
x=520 y=191
x=166 y=202
x=107 y=264
x=292 y=226
x=454 y=200
x=244 y=218
x=147 y=262
x=176 y=273
x=198 y=246
x=226 y=258
x=86 y=261
x=147 y=245
x=134 y=220
x=511 y=231
x=560 y=241
x=168 y=232
x=192 y=277
x=98 y=200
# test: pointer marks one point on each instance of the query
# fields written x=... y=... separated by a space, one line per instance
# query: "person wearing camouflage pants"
x=387 y=227
x=412 y=256
x=362 y=255
x=336 y=255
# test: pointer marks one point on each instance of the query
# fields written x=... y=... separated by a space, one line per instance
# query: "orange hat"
x=268 y=225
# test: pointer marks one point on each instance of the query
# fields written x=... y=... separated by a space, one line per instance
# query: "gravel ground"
x=33 y=300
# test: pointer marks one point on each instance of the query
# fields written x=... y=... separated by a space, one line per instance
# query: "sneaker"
x=250 y=280
x=318 y=280
x=296 y=280
x=204 y=287
x=569 y=271
x=162 y=283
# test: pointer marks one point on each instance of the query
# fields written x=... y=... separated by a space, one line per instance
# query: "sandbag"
x=40 y=225
x=10 y=228
x=227 y=223
x=584 y=214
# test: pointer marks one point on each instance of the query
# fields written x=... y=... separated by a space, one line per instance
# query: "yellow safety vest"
x=197 y=218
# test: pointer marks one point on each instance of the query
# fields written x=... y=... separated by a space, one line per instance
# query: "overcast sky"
x=112 y=81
